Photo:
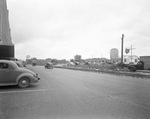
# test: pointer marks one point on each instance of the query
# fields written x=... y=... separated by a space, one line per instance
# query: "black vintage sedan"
x=12 y=74
x=49 y=65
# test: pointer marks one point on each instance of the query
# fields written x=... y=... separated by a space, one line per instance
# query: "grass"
x=109 y=69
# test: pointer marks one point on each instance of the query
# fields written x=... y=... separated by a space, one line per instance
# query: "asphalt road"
x=69 y=94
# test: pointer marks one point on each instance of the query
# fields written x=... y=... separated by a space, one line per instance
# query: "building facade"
x=146 y=61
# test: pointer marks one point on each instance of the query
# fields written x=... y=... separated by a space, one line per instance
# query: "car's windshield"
x=19 y=64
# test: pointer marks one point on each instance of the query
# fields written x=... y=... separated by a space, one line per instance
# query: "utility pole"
x=1 y=22
x=131 y=52
x=122 y=50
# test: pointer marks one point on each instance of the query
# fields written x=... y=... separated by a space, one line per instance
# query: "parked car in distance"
x=33 y=64
x=13 y=74
x=49 y=65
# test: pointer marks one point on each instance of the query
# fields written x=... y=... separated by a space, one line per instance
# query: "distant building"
x=97 y=60
x=37 y=61
x=77 y=57
x=146 y=61
x=114 y=53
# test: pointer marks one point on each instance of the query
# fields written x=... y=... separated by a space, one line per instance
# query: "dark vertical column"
x=6 y=45
x=122 y=50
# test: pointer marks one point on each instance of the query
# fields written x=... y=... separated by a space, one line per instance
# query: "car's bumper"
x=35 y=79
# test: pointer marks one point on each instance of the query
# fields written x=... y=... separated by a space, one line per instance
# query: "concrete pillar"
x=6 y=45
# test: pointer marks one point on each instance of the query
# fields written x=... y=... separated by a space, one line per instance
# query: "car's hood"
x=27 y=71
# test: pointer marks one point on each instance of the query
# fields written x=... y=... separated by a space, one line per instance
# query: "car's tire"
x=24 y=82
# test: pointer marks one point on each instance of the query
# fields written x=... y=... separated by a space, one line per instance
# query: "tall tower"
x=6 y=45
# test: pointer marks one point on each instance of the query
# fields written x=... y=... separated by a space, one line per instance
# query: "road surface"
x=69 y=94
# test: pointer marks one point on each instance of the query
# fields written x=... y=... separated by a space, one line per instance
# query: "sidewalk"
x=143 y=71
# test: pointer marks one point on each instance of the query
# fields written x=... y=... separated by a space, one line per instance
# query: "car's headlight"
x=35 y=75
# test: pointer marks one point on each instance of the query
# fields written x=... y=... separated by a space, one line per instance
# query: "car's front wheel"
x=24 y=82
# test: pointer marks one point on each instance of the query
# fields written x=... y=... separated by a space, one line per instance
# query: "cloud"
x=78 y=26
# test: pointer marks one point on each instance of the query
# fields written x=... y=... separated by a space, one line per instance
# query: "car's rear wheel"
x=24 y=82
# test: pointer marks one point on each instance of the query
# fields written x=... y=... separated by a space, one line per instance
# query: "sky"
x=62 y=29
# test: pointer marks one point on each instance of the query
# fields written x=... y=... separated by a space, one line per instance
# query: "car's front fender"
x=28 y=75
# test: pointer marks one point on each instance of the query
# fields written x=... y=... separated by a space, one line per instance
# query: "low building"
x=146 y=61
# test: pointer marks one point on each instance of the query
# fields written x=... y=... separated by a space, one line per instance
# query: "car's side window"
x=3 y=66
